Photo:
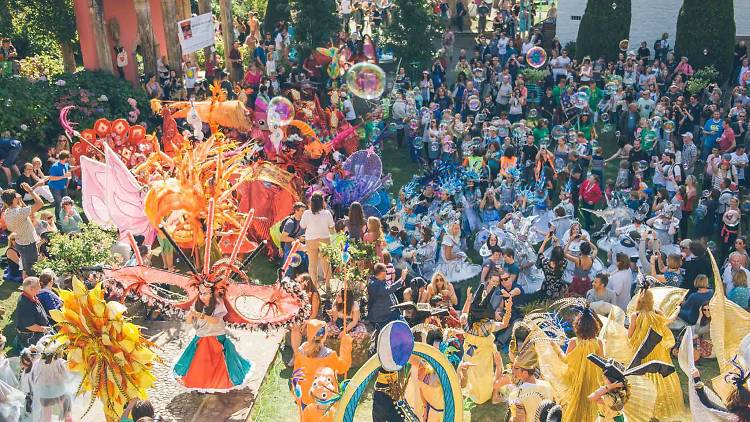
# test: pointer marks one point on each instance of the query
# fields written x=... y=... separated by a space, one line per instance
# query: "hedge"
x=602 y=28
x=30 y=109
x=706 y=34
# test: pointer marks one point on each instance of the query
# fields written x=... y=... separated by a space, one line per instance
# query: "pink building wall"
x=124 y=11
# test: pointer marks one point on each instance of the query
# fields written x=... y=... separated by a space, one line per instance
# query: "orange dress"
x=340 y=362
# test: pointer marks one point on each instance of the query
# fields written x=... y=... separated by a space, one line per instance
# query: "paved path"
x=174 y=404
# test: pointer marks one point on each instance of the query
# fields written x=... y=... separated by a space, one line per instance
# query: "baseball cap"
x=690 y=134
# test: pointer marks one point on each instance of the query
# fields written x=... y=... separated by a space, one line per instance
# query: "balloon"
x=558 y=132
x=536 y=57
x=366 y=80
x=612 y=87
x=417 y=143
x=395 y=345
x=280 y=111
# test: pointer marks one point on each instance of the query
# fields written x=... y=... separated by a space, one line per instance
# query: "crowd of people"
x=575 y=185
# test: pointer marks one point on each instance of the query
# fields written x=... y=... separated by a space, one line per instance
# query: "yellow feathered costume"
x=101 y=345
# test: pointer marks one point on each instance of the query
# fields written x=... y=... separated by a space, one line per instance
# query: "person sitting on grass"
x=69 y=220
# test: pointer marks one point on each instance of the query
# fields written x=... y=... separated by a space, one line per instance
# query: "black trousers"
x=383 y=408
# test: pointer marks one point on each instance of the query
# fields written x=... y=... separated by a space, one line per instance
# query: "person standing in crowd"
x=59 y=177
x=381 y=297
x=17 y=218
x=318 y=224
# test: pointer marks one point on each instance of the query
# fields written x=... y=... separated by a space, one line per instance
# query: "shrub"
x=70 y=252
x=602 y=28
x=35 y=105
x=45 y=65
x=534 y=76
x=706 y=35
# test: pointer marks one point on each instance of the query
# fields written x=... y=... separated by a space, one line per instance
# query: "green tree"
x=276 y=10
x=413 y=33
x=705 y=35
x=604 y=24
x=41 y=26
x=316 y=24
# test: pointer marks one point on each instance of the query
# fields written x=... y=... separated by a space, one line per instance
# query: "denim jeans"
x=58 y=194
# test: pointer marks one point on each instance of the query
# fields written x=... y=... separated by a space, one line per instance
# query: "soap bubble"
x=366 y=80
x=558 y=132
x=295 y=260
x=474 y=103
x=280 y=111
x=536 y=57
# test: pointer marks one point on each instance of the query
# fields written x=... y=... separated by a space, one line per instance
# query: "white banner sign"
x=196 y=33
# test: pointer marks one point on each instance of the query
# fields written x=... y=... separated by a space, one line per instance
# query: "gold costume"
x=582 y=378
x=669 y=402
x=479 y=350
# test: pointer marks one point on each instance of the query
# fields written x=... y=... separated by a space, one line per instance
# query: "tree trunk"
x=146 y=38
x=69 y=60
x=103 y=53
x=182 y=10
x=174 y=51
x=204 y=6
x=227 y=34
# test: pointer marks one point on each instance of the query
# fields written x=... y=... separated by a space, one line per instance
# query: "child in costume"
x=325 y=393
x=313 y=354
x=30 y=412
x=12 y=402
x=210 y=363
x=479 y=342
x=6 y=372
x=52 y=382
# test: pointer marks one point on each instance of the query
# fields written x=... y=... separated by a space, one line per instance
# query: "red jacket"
x=590 y=192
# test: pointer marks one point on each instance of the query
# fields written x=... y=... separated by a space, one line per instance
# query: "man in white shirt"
x=739 y=160
x=733 y=266
x=645 y=104
x=349 y=114
x=346 y=11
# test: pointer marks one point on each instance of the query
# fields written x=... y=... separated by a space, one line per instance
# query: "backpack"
x=296 y=230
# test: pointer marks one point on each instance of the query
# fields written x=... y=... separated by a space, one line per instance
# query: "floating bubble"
x=668 y=126
x=605 y=117
x=376 y=133
x=280 y=111
x=474 y=103
x=643 y=165
x=295 y=260
x=417 y=143
x=612 y=87
x=366 y=80
x=581 y=99
x=533 y=113
x=558 y=132
x=536 y=57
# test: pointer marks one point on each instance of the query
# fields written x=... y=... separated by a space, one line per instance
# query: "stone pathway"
x=172 y=403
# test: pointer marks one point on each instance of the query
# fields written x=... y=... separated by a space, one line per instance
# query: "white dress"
x=12 y=402
x=458 y=269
